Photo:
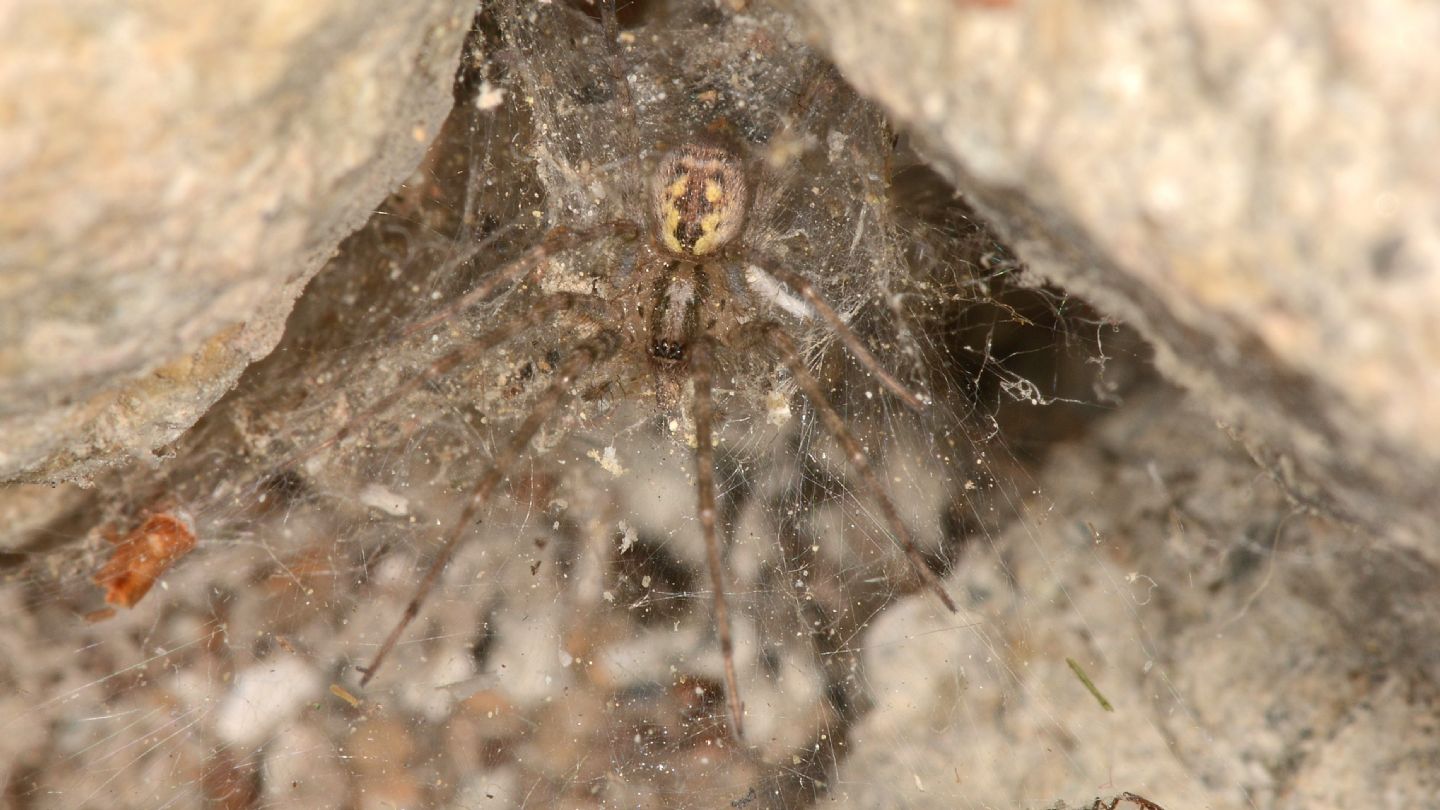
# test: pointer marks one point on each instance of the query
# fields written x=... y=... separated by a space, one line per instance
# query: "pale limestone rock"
x=1256 y=186
x=175 y=174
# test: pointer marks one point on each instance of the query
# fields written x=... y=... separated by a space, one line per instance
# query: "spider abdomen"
x=699 y=200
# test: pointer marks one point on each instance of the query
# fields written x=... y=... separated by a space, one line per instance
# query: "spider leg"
x=531 y=317
x=617 y=74
x=700 y=371
x=773 y=334
x=1141 y=801
x=585 y=355
x=556 y=240
x=847 y=336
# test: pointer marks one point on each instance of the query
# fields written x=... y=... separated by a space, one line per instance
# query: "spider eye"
x=668 y=350
x=700 y=197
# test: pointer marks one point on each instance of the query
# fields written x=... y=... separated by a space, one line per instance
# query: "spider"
x=700 y=292
x=1139 y=801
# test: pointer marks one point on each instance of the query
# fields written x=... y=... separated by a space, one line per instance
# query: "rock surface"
x=1251 y=655
x=1253 y=185
x=175 y=176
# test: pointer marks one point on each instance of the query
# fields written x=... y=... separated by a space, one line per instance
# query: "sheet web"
x=567 y=656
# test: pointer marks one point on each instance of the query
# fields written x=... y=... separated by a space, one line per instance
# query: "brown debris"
x=143 y=555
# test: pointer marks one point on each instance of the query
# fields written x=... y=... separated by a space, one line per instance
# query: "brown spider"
x=684 y=305
x=1139 y=801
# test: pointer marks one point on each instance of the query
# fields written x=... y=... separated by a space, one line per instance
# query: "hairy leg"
x=847 y=336
x=583 y=358
x=601 y=311
x=774 y=336
x=611 y=26
x=701 y=362
x=556 y=240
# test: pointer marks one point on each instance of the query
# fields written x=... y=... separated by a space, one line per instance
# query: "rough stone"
x=1253 y=185
x=175 y=174
x=1250 y=654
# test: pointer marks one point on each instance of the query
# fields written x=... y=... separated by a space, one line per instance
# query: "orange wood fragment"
x=143 y=555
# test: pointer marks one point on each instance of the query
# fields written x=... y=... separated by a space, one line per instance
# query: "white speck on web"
x=378 y=497
x=609 y=462
x=777 y=408
x=627 y=536
x=489 y=97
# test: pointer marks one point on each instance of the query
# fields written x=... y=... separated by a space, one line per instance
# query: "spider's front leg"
x=556 y=240
x=701 y=363
x=584 y=357
x=596 y=309
x=772 y=335
x=842 y=330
